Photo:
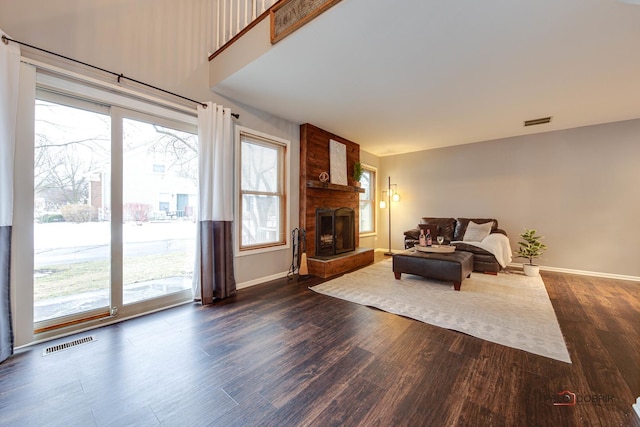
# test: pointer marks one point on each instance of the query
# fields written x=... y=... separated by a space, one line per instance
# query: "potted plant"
x=530 y=248
x=357 y=172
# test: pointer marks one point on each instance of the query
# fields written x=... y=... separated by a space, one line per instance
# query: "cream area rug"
x=509 y=309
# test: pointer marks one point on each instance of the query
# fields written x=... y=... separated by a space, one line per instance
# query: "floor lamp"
x=391 y=196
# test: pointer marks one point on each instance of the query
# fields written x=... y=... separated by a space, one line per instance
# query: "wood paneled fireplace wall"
x=314 y=159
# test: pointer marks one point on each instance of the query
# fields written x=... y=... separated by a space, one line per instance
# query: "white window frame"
x=286 y=188
x=122 y=103
x=373 y=201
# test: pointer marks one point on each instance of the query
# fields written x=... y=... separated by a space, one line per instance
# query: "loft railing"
x=233 y=16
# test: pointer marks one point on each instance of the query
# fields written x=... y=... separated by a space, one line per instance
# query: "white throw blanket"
x=497 y=244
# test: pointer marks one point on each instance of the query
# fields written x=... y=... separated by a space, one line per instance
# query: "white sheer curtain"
x=213 y=275
x=9 y=72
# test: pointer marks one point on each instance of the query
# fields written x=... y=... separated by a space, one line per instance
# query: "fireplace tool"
x=303 y=270
x=299 y=256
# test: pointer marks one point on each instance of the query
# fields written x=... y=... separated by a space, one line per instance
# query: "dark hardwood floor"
x=279 y=354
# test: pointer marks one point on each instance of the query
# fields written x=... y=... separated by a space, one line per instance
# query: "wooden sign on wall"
x=289 y=15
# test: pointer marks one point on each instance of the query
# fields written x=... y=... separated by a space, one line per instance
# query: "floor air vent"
x=64 y=346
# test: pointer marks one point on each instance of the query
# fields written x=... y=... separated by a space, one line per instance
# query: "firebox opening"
x=335 y=231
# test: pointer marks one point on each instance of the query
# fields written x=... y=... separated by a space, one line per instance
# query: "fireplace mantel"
x=319 y=184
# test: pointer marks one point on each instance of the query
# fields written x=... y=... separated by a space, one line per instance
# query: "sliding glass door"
x=114 y=205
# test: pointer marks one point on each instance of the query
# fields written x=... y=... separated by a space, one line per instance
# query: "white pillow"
x=477 y=232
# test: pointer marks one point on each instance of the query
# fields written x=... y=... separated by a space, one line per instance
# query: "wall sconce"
x=391 y=194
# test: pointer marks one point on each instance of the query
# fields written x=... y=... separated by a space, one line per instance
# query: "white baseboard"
x=583 y=272
x=260 y=280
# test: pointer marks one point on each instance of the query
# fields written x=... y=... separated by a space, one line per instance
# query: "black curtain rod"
x=120 y=76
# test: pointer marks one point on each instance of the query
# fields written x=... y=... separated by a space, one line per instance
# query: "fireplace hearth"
x=335 y=231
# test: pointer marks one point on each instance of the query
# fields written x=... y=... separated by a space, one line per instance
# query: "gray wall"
x=579 y=188
x=161 y=42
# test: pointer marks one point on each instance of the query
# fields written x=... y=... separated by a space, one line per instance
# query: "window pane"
x=366 y=217
x=365 y=184
x=260 y=219
x=367 y=201
x=72 y=162
x=160 y=167
x=259 y=167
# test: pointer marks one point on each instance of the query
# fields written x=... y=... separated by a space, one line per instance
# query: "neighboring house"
x=159 y=192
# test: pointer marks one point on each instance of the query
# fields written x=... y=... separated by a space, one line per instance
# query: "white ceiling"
x=411 y=75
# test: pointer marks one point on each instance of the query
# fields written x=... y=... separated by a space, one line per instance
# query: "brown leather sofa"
x=453 y=229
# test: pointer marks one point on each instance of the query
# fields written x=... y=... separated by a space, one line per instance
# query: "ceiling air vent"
x=537 y=121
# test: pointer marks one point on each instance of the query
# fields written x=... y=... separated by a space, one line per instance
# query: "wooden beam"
x=289 y=15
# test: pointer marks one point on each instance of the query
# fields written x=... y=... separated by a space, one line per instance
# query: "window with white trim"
x=368 y=200
x=89 y=169
x=262 y=199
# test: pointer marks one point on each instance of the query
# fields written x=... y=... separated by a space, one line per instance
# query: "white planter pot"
x=531 y=270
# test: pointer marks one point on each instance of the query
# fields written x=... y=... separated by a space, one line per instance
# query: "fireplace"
x=335 y=231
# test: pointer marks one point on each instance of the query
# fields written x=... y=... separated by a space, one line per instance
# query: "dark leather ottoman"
x=453 y=267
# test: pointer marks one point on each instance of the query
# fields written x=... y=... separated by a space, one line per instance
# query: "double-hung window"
x=262 y=180
x=368 y=200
